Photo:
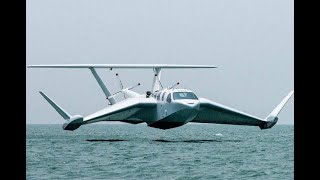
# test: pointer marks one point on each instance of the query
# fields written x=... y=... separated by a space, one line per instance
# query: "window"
x=158 y=96
x=169 y=98
x=184 y=95
x=163 y=96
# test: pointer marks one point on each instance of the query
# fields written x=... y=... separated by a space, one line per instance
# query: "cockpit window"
x=169 y=98
x=184 y=95
x=163 y=96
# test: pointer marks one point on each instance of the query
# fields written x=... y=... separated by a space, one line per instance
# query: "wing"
x=131 y=110
x=212 y=112
x=165 y=66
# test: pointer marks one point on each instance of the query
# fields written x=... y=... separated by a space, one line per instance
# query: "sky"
x=251 y=42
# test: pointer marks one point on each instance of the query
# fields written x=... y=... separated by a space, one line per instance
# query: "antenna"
x=123 y=89
x=134 y=86
x=176 y=84
x=121 y=85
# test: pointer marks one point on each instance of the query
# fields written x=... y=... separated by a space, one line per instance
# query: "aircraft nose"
x=193 y=104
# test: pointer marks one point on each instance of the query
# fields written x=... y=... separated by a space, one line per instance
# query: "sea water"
x=193 y=151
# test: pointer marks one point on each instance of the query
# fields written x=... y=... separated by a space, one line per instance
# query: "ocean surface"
x=193 y=151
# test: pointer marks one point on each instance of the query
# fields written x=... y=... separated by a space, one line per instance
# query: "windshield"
x=184 y=95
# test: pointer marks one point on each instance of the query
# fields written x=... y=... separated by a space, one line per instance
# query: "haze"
x=250 y=41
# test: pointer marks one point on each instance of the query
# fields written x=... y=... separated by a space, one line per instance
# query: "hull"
x=176 y=119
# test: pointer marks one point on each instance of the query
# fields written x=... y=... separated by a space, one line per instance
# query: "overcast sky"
x=250 y=41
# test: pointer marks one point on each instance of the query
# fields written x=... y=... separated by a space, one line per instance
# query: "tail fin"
x=272 y=118
x=73 y=122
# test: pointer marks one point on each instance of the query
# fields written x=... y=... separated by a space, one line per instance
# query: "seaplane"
x=162 y=108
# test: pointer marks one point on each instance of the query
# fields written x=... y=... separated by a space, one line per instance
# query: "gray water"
x=124 y=151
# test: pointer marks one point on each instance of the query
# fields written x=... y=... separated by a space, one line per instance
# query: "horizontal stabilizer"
x=167 y=66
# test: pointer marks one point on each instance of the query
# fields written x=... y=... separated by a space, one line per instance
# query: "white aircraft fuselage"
x=175 y=107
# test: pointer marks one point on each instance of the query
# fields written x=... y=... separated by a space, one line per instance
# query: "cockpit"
x=184 y=95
